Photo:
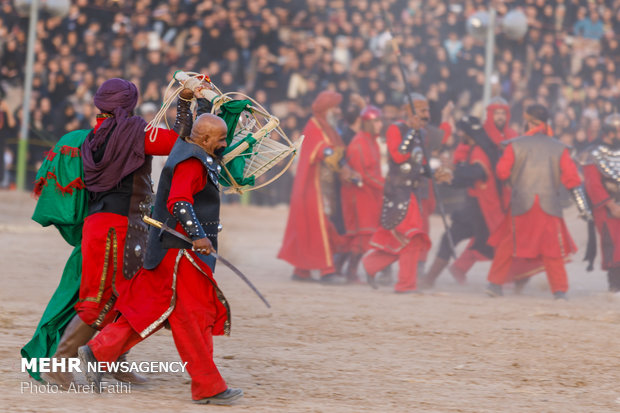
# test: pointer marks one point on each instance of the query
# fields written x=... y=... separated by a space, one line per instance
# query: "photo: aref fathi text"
x=47 y=388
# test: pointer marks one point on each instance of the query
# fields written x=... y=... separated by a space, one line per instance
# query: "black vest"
x=206 y=205
x=132 y=197
x=402 y=180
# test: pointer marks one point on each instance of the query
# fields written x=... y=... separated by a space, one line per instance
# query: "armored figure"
x=602 y=181
x=403 y=179
x=403 y=235
x=177 y=283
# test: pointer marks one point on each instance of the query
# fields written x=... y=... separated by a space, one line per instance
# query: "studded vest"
x=607 y=162
x=402 y=180
x=206 y=205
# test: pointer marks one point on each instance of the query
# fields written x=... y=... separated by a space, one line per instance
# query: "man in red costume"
x=602 y=180
x=362 y=198
x=117 y=158
x=431 y=137
x=311 y=239
x=498 y=130
x=176 y=283
x=403 y=234
x=482 y=212
x=497 y=121
x=535 y=165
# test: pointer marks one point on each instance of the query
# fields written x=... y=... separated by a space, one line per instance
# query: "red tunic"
x=310 y=236
x=486 y=191
x=414 y=223
x=362 y=205
x=491 y=206
x=608 y=227
x=149 y=293
x=180 y=290
x=535 y=232
x=103 y=243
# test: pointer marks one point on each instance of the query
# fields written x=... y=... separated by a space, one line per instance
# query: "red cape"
x=309 y=234
x=486 y=192
x=362 y=205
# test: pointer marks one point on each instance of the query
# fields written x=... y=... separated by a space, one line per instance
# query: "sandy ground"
x=341 y=349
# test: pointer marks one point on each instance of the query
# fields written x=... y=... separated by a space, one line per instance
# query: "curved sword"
x=164 y=227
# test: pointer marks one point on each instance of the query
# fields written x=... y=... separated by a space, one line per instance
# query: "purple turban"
x=116 y=93
x=116 y=148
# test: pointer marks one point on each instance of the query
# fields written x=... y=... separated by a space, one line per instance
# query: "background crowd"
x=284 y=52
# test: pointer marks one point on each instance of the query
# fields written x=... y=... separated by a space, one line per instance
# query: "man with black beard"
x=403 y=235
x=496 y=127
x=602 y=181
x=497 y=121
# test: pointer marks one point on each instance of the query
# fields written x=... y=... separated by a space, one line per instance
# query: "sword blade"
x=161 y=225
x=242 y=276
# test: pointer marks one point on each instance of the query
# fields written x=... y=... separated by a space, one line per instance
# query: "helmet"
x=370 y=112
x=470 y=125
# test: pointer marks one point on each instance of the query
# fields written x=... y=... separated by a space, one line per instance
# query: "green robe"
x=63 y=202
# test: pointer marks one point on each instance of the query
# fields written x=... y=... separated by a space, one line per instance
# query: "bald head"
x=209 y=132
x=207 y=124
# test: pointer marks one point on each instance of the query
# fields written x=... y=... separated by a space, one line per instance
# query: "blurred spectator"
x=7 y=130
x=284 y=52
x=590 y=27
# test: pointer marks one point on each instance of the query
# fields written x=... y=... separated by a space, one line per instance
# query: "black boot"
x=613 y=278
x=438 y=266
x=354 y=261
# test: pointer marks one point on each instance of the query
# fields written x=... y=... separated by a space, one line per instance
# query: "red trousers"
x=502 y=262
x=103 y=245
x=408 y=258
x=191 y=323
x=461 y=266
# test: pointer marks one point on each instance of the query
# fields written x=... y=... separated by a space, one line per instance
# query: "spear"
x=408 y=92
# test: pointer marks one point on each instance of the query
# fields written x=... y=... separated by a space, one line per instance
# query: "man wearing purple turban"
x=117 y=158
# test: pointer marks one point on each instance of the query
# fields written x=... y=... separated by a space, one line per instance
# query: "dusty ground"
x=342 y=349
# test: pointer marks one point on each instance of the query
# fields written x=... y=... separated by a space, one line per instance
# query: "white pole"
x=22 y=150
x=488 y=61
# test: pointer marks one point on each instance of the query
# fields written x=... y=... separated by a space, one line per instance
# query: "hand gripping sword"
x=162 y=226
x=442 y=212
